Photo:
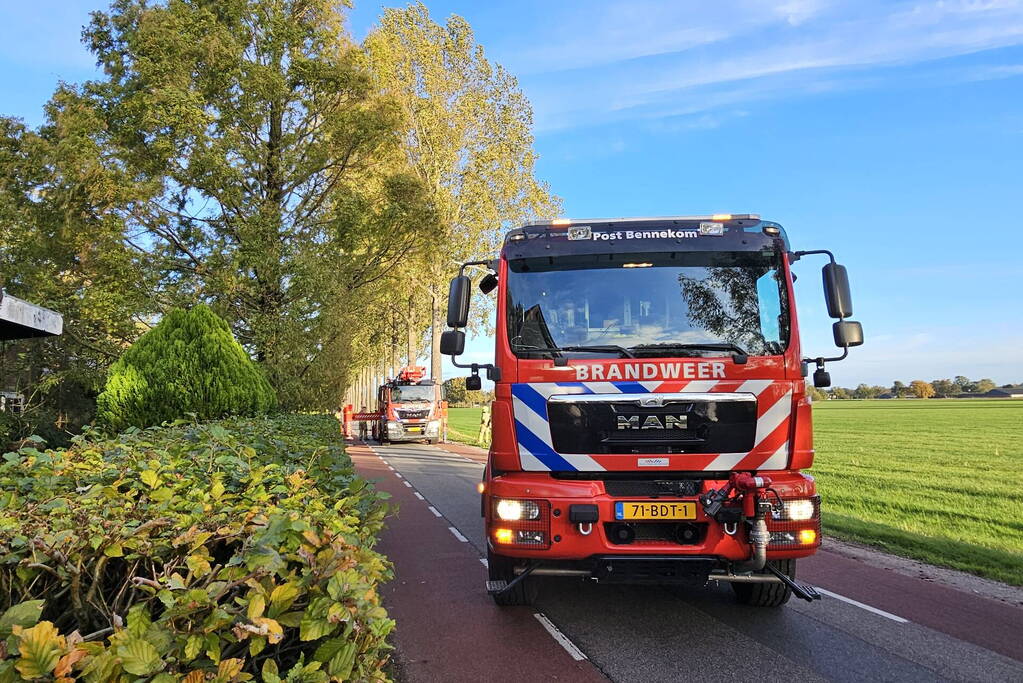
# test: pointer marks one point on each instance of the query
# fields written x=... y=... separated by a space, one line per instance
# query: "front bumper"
x=412 y=430
x=570 y=543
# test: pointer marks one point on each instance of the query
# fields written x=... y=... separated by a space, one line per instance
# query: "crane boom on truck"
x=651 y=418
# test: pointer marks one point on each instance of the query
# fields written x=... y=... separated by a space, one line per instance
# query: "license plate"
x=414 y=429
x=631 y=510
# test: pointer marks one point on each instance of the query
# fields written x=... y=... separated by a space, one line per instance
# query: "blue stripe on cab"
x=544 y=453
x=630 y=387
x=532 y=398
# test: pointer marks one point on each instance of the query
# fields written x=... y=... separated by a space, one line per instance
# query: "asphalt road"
x=902 y=630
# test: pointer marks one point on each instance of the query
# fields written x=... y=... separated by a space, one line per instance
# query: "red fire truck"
x=409 y=408
x=651 y=420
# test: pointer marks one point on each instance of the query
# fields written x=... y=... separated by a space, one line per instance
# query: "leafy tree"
x=188 y=363
x=271 y=183
x=816 y=394
x=454 y=390
x=964 y=384
x=921 y=389
x=900 y=390
x=840 y=393
x=62 y=246
x=944 y=388
x=867 y=391
x=983 y=386
x=466 y=132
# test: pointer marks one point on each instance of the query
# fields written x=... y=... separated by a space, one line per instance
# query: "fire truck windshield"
x=654 y=305
x=412 y=393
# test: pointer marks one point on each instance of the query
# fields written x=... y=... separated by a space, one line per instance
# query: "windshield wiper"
x=596 y=348
x=739 y=354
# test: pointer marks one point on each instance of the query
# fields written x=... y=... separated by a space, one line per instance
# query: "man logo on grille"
x=652 y=422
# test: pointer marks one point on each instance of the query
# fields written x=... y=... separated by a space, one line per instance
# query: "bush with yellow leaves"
x=229 y=551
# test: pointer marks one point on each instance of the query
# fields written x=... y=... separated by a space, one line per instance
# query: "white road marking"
x=418 y=495
x=434 y=511
x=574 y=652
x=458 y=535
x=406 y=484
x=390 y=468
x=879 y=612
x=398 y=474
x=486 y=564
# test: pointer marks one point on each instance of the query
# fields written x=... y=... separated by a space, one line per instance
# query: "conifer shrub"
x=235 y=550
x=190 y=363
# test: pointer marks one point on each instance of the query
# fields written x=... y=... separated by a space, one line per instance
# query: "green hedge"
x=228 y=551
x=189 y=364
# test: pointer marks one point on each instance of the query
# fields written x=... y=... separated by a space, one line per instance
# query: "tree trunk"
x=435 y=330
x=413 y=342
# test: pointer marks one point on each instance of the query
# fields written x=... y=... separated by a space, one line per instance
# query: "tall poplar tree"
x=467 y=134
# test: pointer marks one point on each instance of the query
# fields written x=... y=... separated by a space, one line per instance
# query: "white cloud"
x=663 y=58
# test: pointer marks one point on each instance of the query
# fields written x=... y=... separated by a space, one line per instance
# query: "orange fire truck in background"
x=409 y=408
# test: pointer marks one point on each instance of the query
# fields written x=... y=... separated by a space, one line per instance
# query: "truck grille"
x=635 y=488
x=653 y=423
x=413 y=414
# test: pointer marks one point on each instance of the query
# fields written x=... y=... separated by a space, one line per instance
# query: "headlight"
x=433 y=426
x=515 y=510
x=391 y=424
x=797 y=510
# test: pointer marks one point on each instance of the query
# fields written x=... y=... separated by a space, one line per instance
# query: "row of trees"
x=457 y=395
x=251 y=156
x=939 y=388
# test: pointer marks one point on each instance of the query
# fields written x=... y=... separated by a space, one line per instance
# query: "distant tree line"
x=917 y=388
x=458 y=396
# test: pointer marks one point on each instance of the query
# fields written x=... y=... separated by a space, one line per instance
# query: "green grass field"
x=937 y=480
x=464 y=425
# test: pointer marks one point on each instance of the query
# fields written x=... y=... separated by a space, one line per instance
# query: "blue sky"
x=889 y=132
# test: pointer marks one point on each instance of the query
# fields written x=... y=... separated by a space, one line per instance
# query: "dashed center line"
x=484 y=562
x=435 y=512
x=418 y=495
x=857 y=603
x=406 y=483
x=457 y=534
x=574 y=652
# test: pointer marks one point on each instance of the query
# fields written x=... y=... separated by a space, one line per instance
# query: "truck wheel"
x=434 y=442
x=767 y=594
x=502 y=569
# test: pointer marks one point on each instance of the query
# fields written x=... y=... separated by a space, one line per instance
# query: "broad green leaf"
x=23 y=614
x=139 y=657
x=150 y=478
x=193 y=646
x=114 y=550
x=257 y=603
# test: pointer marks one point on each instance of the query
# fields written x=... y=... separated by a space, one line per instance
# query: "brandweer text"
x=597 y=373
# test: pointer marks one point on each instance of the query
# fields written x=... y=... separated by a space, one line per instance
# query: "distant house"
x=886 y=395
x=1006 y=392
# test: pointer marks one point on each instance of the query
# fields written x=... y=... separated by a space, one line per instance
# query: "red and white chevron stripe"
x=771 y=444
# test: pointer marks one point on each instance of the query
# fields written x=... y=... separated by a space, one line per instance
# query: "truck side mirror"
x=836 y=291
x=488 y=283
x=458 y=301
x=473 y=383
x=452 y=342
x=847 y=333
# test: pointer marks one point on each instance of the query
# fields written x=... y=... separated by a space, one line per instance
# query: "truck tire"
x=502 y=569
x=434 y=442
x=767 y=594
